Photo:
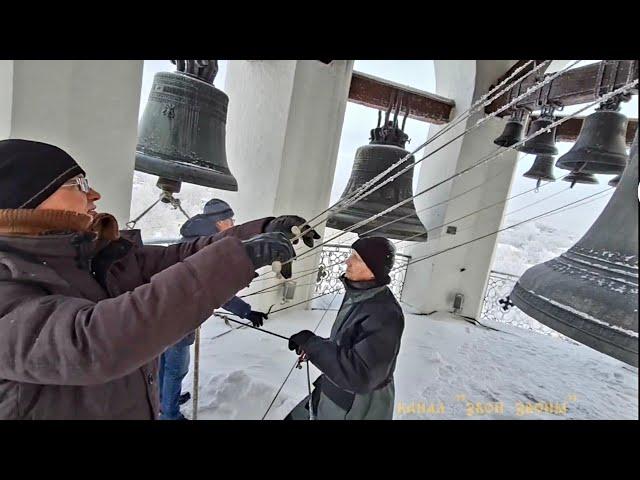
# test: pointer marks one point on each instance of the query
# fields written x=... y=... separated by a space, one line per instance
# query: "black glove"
x=297 y=341
x=285 y=222
x=266 y=248
x=256 y=318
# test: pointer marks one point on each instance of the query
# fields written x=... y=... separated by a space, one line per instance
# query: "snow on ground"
x=448 y=368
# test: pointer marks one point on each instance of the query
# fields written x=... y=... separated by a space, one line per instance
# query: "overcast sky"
x=420 y=74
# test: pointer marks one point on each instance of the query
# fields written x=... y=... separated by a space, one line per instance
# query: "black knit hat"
x=379 y=255
x=217 y=209
x=30 y=172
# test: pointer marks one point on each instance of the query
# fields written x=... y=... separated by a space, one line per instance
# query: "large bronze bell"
x=386 y=148
x=543 y=144
x=513 y=131
x=181 y=136
x=590 y=292
x=542 y=169
x=600 y=147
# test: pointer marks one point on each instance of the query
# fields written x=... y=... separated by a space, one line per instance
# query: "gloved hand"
x=266 y=248
x=285 y=222
x=257 y=318
x=297 y=341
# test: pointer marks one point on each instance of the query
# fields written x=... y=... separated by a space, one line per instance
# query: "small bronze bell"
x=581 y=177
x=385 y=149
x=181 y=136
x=614 y=181
x=600 y=147
x=542 y=169
x=545 y=143
x=513 y=131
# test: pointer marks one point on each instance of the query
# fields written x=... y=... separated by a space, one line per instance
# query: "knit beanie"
x=30 y=172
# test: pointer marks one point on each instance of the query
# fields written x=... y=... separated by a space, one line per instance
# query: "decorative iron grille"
x=498 y=287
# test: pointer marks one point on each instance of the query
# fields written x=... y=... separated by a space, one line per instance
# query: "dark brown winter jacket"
x=84 y=317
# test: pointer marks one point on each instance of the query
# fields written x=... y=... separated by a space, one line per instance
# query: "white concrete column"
x=432 y=283
x=89 y=108
x=283 y=132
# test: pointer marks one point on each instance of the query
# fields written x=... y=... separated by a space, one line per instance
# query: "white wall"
x=283 y=131
x=6 y=97
x=431 y=284
x=89 y=108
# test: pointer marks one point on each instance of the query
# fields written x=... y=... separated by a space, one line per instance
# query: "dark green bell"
x=542 y=169
x=181 y=136
x=386 y=148
x=600 y=147
x=581 y=177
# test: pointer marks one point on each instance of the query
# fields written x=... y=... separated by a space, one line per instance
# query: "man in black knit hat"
x=357 y=361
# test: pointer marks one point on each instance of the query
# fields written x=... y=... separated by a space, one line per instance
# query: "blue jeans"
x=174 y=365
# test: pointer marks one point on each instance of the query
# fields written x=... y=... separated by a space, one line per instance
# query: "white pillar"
x=432 y=283
x=89 y=108
x=283 y=132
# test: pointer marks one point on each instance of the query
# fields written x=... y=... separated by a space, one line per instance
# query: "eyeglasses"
x=81 y=182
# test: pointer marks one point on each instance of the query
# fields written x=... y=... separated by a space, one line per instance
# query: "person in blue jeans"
x=174 y=362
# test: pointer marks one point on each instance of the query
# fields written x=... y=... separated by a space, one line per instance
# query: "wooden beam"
x=521 y=74
x=376 y=93
x=575 y=86
x=569 y=130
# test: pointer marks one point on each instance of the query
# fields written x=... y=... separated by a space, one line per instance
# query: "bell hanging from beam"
x=590 y=292
x=542 y=169
x=580 y=177
x=600 y=147
x=386 y=148
x=614 y=181
x=514 y=129
x=545 y=143
x=181 y=136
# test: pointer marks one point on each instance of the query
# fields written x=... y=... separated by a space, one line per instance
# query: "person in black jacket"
x=217 y=217
x=358 y=359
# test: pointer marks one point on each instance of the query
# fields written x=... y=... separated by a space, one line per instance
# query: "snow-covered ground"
x=448 y=368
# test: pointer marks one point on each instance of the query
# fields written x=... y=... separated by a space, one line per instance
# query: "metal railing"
x=499 y=286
